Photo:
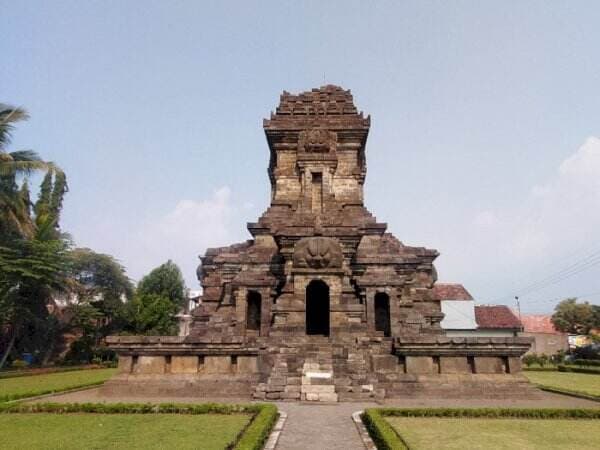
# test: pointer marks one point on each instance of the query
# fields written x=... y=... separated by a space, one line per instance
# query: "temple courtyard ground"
x=330 y=426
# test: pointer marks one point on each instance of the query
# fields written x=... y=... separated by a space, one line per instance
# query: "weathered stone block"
x=488 y=364
x=217 y=364
x=273 y=395
x=328 y=397
x=454 y=364
x=247 y=364
x=319 y=389
x=419 y=365
x=290 y=395
x=125 y=364
x=150 y=365
x=384 y=363
x=184 y=364
x=514 y=364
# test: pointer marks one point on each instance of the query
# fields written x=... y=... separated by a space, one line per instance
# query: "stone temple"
x=322 y=304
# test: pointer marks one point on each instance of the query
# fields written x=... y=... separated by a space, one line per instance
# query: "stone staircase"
x=317 y=369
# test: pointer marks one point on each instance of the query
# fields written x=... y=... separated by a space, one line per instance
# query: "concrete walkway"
x=310 y=426
x=330 y=426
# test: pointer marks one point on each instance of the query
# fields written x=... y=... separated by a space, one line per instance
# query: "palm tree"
x=15 y=215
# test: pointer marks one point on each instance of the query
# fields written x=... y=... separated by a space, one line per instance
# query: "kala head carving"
x=316 y=140
x=317 y=253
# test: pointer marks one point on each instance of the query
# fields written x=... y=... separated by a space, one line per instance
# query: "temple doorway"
x=382 y=313
x=253 y=311
x=317 y=308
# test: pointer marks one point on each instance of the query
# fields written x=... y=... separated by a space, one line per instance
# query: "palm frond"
x=8 y=116
x=10 y=168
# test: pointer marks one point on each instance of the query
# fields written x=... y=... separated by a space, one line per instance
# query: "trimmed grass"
x=575 y=382
x=120 y=431
x=22 y=387
x=473 y=433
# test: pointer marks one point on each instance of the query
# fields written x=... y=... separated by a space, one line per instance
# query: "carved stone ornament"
x=318 y=253
x=317 y=140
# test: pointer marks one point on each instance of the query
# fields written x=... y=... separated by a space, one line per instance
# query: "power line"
x=579 y=266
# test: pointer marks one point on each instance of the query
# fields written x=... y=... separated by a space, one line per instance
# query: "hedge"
x=587 y=362
x=11 y=397
x=383 y=434
x=45 y=371
x=130 y=408
x=520 y=413
x=578 y=394
x=252 y=437
x=257 y=432
x=563 y=368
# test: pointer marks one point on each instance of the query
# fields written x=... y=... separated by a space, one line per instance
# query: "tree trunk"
x=48 y=353
x=9 y=348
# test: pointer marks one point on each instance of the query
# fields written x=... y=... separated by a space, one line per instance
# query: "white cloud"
x=534 y=238
x=184 y=233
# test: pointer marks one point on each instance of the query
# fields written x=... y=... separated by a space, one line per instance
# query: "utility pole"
x=519 y=309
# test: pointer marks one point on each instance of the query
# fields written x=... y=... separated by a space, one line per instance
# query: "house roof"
x=497 y=317
x=451 y=291
x=538 y=323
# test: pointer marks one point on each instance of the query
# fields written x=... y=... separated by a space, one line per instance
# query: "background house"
x=547 y=339
x=463 y=318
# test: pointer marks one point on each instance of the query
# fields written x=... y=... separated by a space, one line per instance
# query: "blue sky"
x=484 y=140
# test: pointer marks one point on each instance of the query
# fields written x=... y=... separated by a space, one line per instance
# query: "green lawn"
x=120 y=431
x=576 y=382
x=499 y=434
x=11 y=388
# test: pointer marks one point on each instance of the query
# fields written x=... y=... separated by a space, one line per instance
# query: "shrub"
x=520 y=413
x=19 y=364
x=530 y=359
x=543 y=359
x=587 y=362
x=558 y=357
x=591 y=351
x=590 y=370
x=257 y=432
x=383 y=434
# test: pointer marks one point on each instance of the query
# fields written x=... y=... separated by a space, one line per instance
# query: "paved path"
x=320 y=427
x=330 y=426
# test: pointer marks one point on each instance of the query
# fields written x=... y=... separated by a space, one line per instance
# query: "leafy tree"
x=99 y=277
x=572 y=317
x=30 y=272
x=100 y=289
x=33 y=251
x=15 y=218
x=159 y=296
x=153 y=314
x=167 y=281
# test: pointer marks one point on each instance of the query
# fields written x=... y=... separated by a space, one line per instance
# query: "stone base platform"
x=180 y=386
x=367 y=368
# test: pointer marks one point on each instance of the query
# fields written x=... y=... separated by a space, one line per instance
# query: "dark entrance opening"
x=253 y=311
x=317 y=308
x=382 y=313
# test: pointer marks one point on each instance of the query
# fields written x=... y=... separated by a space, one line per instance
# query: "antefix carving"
x=317 y=140
x=318 y=253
